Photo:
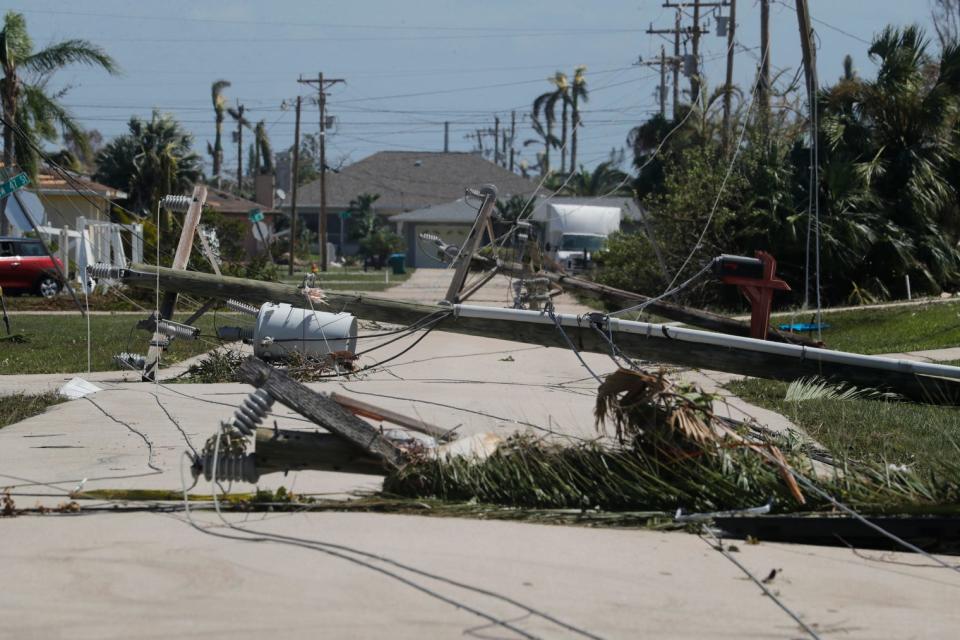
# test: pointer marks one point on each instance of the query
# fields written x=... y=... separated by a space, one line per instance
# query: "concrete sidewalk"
x=154 y=576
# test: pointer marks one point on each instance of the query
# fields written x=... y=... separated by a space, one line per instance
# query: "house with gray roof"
x=405 y=181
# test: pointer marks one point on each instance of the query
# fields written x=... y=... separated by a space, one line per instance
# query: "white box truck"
x=574 y=232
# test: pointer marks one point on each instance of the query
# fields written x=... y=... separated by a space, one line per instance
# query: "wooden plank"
x=320 y=409
x=361 y=408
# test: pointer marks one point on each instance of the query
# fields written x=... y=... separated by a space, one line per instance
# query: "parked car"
x=25 y=267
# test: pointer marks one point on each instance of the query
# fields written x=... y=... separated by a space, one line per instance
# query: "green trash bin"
x=396 y=262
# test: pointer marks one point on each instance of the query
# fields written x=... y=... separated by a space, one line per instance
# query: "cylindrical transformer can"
x=282 y=328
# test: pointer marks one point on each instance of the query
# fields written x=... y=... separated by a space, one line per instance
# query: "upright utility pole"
x=240 y=109
x=322 y=85
x=695 y=32
x=293 y=196
x=764 y=88
x=695 y=50
x=446 y=137
x=513 y=133
x=728 y=86
x=675 y=32
x=496 y=139
x=676 y=66
x=662 y=62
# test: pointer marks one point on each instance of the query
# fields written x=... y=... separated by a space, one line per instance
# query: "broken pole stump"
x=288 y=450
x=321 y=410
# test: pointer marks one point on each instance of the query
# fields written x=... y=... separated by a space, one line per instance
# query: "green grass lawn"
x=58 y=343
x=17 y=407
x=876 y=430
x=893 y=330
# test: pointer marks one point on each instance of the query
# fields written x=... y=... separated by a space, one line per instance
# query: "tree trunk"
x=563 y=137
x=546 y=149
x=573 y=133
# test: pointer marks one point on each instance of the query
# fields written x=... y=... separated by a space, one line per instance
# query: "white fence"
x=94 y=241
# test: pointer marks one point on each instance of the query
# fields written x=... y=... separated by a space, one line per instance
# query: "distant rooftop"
x=408 y=180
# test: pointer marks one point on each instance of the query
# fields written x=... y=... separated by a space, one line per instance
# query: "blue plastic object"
x=803 y=327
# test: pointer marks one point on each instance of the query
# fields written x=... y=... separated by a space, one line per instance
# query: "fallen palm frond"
x=651 y=408
x=806 y=389
x=671 y=451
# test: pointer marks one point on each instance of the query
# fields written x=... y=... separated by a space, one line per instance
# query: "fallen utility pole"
x=675 y=312
x=918 y=381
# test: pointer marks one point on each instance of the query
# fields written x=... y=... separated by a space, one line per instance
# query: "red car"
x=25 y=267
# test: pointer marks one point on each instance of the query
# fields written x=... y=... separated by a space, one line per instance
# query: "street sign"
x=345 y=214
x=18 y=181
x=255 y=215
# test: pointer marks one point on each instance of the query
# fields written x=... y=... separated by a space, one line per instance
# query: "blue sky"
x=412 y=65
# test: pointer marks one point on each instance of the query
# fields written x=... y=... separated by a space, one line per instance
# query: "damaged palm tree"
x=670 y=450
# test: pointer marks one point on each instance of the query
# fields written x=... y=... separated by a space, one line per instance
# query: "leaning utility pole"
x=728 y=87
x=293 y=197
x=322 y=85
x=809 y=49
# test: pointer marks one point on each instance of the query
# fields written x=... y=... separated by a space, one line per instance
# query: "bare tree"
x=946 y=20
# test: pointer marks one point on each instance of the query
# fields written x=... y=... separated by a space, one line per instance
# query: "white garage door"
x=425 y=253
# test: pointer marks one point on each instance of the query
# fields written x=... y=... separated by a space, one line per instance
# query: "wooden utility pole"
x=695 y=50
x=695 y=32
x=446 y=137
x=240 y=109
x=322 y=84
x=764 y=88
x=656 y=343
x=496 y=139
x=513 y=134
x=663 y=82
x=662 y=62
x=293 y=197
x=728 y=87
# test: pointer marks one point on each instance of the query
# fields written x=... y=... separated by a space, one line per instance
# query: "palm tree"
x=545 y=104
x=152 y=160
x=219 y=108
x=27 y=106
x=264 y=153
x=562 y=93
x=578 y=92
x=604 y=180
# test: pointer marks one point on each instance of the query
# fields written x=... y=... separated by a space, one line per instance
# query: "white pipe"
x=717 y=339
